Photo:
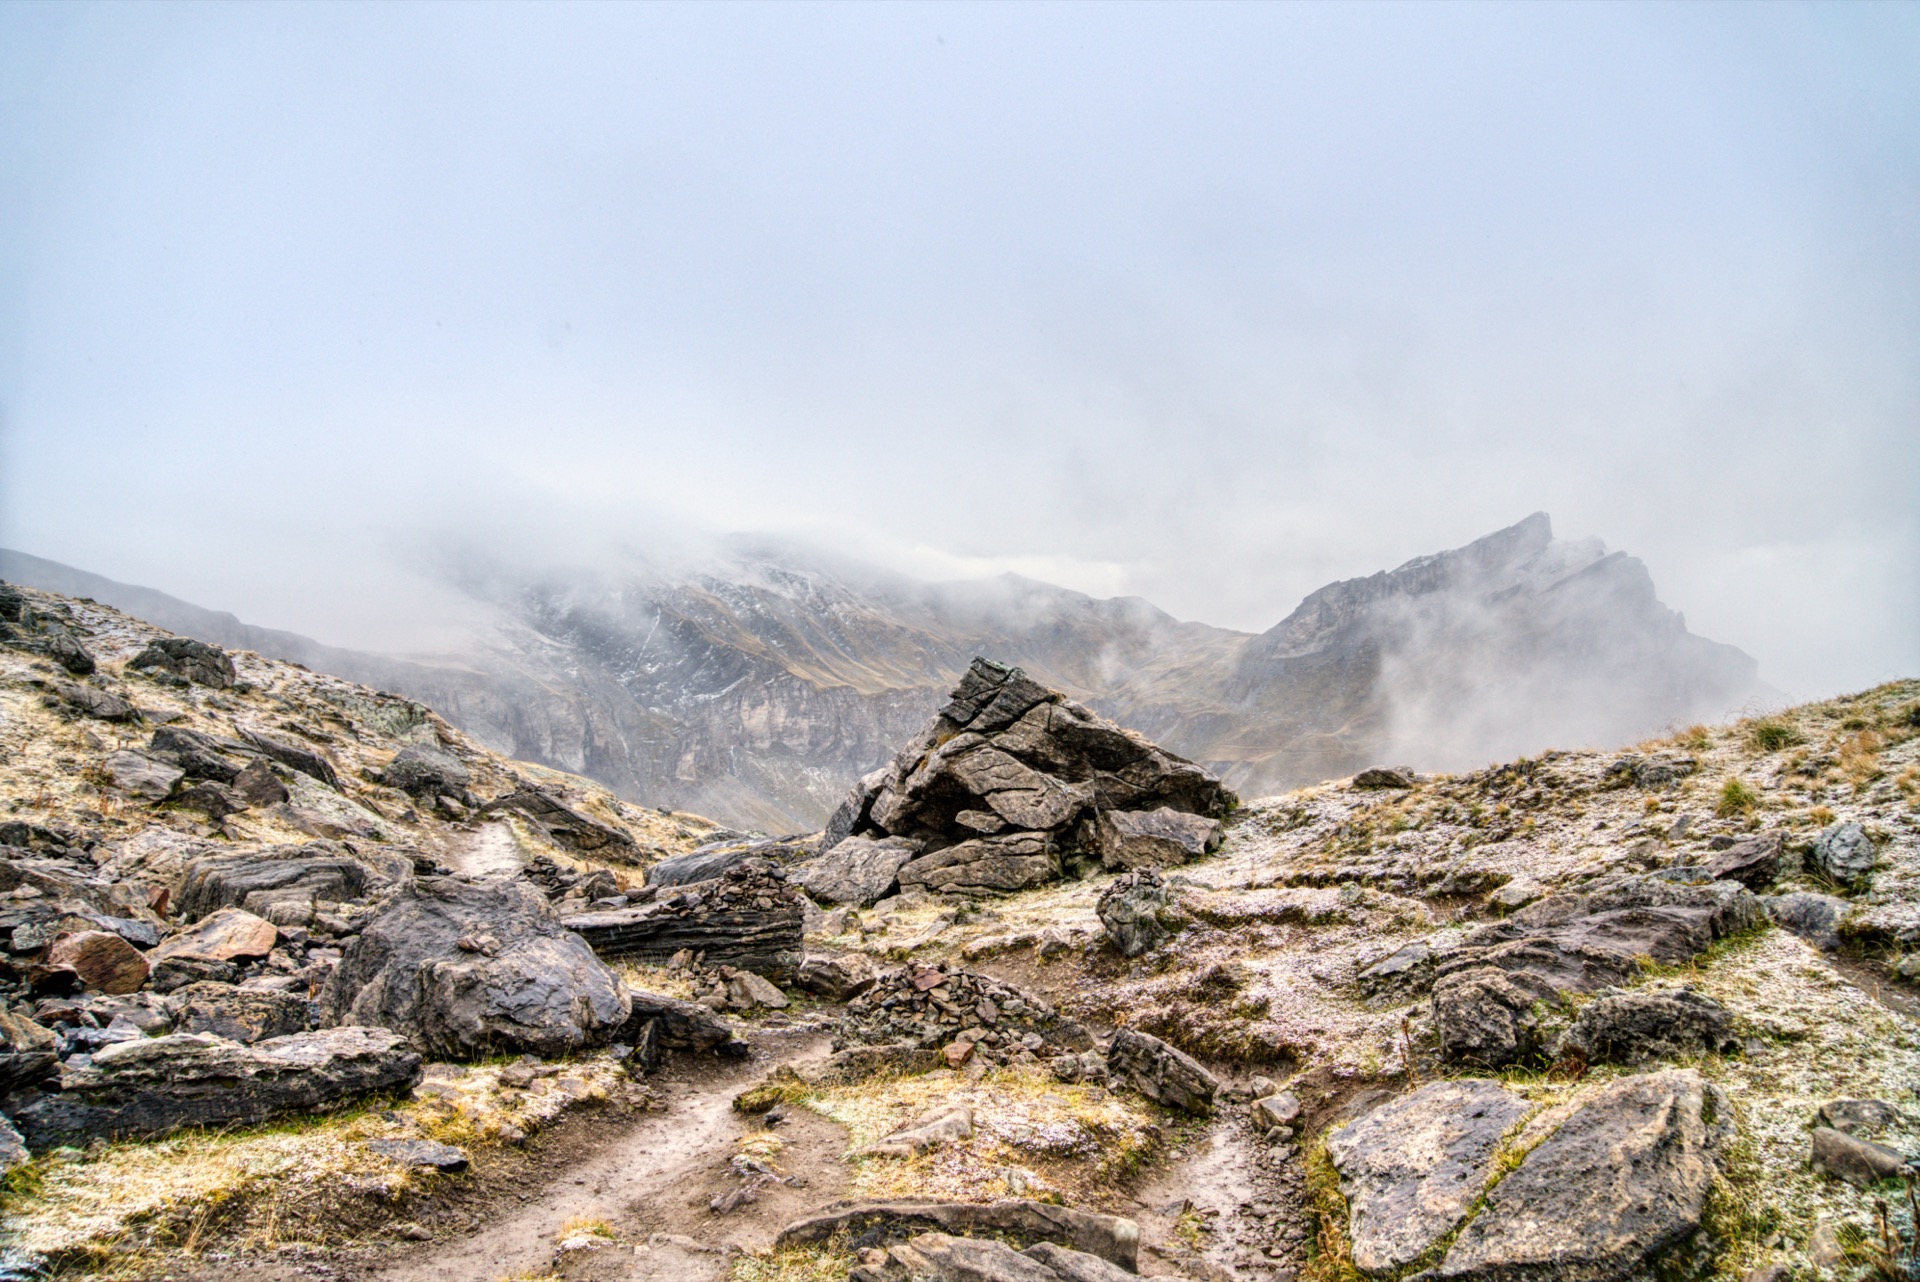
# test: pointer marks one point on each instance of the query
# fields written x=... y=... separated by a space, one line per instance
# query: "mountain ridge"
x=756 y=687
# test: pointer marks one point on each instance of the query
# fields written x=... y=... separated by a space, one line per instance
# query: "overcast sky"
x=1208 y=304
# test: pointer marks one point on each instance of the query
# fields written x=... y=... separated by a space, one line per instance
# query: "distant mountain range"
x=758 y=688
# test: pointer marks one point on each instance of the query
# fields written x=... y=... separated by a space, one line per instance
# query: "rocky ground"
x=1047 y=1005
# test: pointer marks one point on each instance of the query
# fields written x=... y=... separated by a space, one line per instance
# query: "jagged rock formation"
x=1006 y=781
x=760 y=687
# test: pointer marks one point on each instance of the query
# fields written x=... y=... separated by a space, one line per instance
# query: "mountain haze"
x=758 y=687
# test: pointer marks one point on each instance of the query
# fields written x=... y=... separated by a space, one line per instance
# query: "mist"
x=1207 y=304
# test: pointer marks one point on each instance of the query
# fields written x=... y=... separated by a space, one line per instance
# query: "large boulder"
x=141 y=776
x=28 y=1052
x=1813 y=917
x=1621 y=1181
x=858 y=871
x=101 y=958
x=230 y=934
x=155 y=1085
x=1010 y=776
x=426 y=773
x=1411 y=1169
x=1754 y=863
x=470 y=969
x=199 y=756
x=187 y=660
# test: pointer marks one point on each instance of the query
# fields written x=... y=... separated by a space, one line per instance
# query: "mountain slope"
x=758 y=687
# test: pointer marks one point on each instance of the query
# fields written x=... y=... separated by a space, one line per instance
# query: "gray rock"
x=156 y=1085
x=676 y=1025
x=94 y=702
x=700 y=865
x=307 y=761
x=1405 y=971
x=1269 y=1111
x=939 y=1257
x=1138 y=913
x=65 y=649
x=238 y=1014
x=1109 y=1237
x=1857 y=1161
x=1487 y=1015
x=466 y=970
x=139 y=775
x=1070 y=1265
x=201 y=756
x=1160 y=1072
x=1657 y=770
x=749 y=917
x=257 y=785
x=187 y=659
x=858 y=871
x=13 y=1148
x=1384 y=777
x=1010 y=775
x=425 y=773
x=985 y=866
x=28 y=1052
x=1647 y=1024
x=836 y=978
x=281 y=884
x=1621 y=1181
x=1411 y=1168
x=1160 y=838
x=1860 y=1118
x=429 y=1153
x=566 y=825
x=1754 y=863
x=1844 y=853
x=1814 y=918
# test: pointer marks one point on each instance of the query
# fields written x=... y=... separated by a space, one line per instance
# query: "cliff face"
x=759 y=689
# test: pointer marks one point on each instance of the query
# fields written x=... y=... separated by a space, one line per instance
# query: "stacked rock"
x=932 y=1006
x=1007 y=781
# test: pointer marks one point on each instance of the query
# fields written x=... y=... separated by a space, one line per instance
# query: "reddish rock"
x=104 y=960
x=232 y=934
x=957 y=1053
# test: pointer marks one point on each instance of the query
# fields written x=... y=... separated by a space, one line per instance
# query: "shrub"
x=1772 y=735
x=1737 y=797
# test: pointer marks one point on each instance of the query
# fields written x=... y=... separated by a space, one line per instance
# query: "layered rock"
x=1007 y=780
x=152 y=1086
x=749 y=918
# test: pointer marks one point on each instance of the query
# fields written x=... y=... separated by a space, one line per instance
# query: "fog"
x=1208 y=304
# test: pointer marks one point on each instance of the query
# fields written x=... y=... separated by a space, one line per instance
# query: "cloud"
x=1210 y=305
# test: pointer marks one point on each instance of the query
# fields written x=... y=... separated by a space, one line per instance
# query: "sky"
x=1208 y=304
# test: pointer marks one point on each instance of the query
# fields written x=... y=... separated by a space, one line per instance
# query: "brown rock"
x=232 y=934
x=957 y=1053
x=105 y=961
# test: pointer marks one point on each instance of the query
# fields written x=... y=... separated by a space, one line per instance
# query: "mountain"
x=759 y=686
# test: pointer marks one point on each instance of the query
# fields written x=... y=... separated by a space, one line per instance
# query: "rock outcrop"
x=152 y=1086
x=1622 y=1180
x=1411 y=1168
x=1009 y=779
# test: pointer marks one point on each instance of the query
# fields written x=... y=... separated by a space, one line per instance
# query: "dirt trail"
x=489 y=848
x=657 y=1177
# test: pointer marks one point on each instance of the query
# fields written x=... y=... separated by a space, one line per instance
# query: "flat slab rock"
x=155 y=1085
x=1622 y=1180
x=941 y=1257
x=1109 y=1237
x=1411 y=1168
x=858 y=871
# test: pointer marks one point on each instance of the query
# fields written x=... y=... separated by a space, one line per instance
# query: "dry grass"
x=1034 y=1136
x=311 y=1181
x=829 y=1263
